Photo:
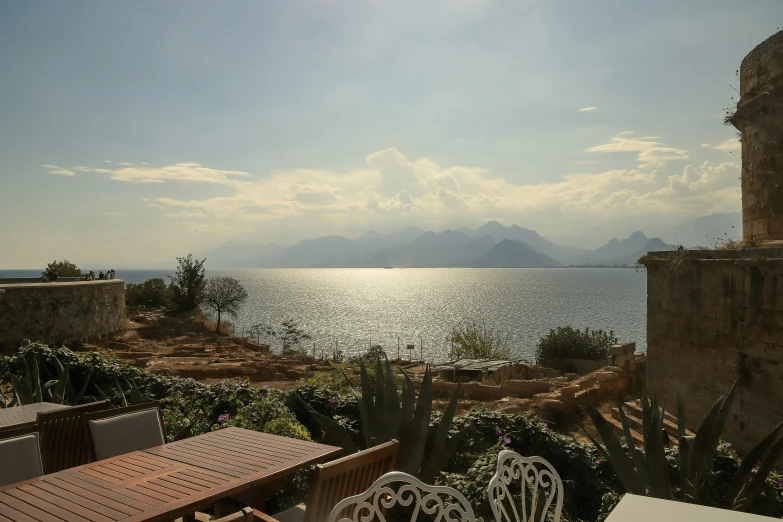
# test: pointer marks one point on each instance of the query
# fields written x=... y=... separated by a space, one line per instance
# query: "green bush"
x=152 y=293
x=568 y=343
x=474 y=341
x=270 y=415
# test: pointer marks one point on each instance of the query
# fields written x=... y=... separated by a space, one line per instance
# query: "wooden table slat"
x=161 y=483
x=98 y=507
x=56 y=505
x=34 y=511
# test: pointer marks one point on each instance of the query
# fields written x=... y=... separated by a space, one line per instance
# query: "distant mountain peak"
x=637 y=235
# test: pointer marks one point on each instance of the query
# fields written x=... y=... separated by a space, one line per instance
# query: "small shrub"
x=152 y=293
x=270 y=415
x=569 y=343
x=474 y=341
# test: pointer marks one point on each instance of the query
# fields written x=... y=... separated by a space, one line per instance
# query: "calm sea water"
x=359 y=307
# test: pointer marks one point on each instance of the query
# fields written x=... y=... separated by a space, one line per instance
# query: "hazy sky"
x=140 y=130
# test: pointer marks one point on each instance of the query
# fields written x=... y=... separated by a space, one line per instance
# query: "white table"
x=633 y=508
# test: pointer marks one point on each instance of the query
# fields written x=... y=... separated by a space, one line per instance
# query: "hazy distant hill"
x=512 y=253
x=653 y=245
x=705 y=230
x=240 y=254
x=531 y=237
x=316 y=252
x=447 y=249
x=374 y=240
x=613 y=250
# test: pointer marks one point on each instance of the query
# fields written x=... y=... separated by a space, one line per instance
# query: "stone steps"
x=633 y=415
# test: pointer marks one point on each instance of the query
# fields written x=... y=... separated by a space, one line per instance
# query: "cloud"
x=650 y=153
x=389 y=187
x=178 y=172
x=731 y=145
x=588 y=109
x=124 y=163
x=58 y=171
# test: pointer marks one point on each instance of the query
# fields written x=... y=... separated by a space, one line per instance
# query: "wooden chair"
x=336 y=480
x=61 y=435
x=246 y=515
x=20 y=455
x=433 y=502
x=109 y=433
x=539 y=489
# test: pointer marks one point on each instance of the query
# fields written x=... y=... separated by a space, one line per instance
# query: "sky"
x=135 y=132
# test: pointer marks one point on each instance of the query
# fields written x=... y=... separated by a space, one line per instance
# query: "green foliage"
x=152 y=293
x=270 y=415
x=375 y=353
x=568 y=343
x=187 y=285
x=649 y=471
x=29 y=387
x=288 y=332
x=62 y=268
x=474 y=341
x=224 y=295
x=384 y=416
x=190 y=408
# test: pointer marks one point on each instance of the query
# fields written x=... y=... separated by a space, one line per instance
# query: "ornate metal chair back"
x=525 y=489
x=396 y=488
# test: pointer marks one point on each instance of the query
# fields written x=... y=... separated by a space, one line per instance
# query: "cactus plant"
x=30 y=390
x=647 y=472
x=385 y=415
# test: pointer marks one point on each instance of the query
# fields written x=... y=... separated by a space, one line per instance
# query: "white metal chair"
x=539 y=490
x=444 y=504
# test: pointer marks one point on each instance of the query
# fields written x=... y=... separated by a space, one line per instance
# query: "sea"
x=353 y=309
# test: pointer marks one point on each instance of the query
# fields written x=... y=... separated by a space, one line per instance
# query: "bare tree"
x=224 y=295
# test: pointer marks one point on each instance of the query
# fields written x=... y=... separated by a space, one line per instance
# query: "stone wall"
x=759 y=116
x=714 y=317
x=56 y=313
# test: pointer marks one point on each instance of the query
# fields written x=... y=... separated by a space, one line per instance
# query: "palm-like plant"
x=386 y=416
x=646 y=471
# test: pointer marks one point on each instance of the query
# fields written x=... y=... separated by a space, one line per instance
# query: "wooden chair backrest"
x=61 y=436
x=346 y=477
x=113 y=412
x=18 y=430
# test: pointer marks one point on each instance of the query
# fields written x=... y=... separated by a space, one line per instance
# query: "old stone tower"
x=716 y=316
x=759 y=117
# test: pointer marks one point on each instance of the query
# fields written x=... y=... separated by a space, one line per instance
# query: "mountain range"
x=490 y=245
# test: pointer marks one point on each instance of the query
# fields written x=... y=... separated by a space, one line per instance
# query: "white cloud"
x=124 y=163
x=58 y=171
x=731 y=145
x=588 y=109
x=650 y=153
x=390 y=187
x=177 y=172
x=107 y=161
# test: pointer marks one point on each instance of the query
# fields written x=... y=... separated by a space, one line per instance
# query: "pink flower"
x=499 y=432
x=780 y=483
x=598 y=462
x=437 y=482
x=507 y=440
x=224 y=417
x=266 y=386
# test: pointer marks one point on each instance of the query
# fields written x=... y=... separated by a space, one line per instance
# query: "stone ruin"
x=716 y=316
x=517 y=387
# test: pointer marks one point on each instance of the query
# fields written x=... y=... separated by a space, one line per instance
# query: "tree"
x=187 y=285
x=224 y=295
x=152 y=293
x=289 y=332
x=62 y=268
x=474 y=341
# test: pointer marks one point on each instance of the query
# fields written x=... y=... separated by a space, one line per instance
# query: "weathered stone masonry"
x=716 y=316
x=712 y=319
x=60 y=312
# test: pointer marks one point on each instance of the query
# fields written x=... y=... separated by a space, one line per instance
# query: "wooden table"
x=162 y=483
x=635 y=508
x=20 y=415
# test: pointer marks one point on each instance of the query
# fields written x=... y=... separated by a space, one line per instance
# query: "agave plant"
x=31 y=389
x=646 y=472
x=386 y=416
